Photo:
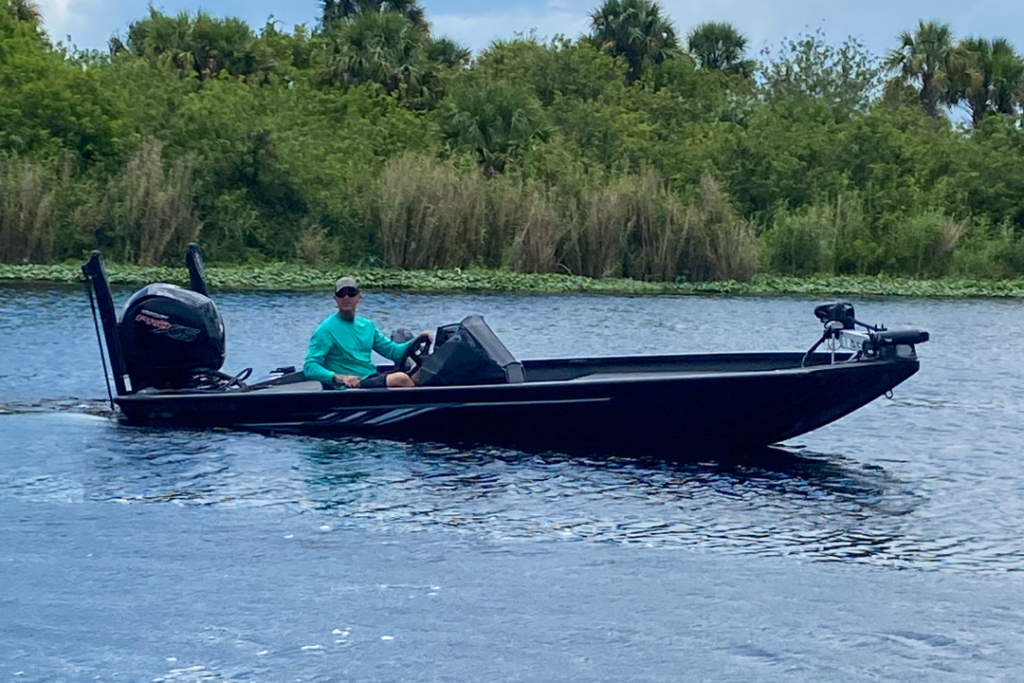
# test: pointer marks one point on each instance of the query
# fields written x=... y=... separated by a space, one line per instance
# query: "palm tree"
x=25 y=10
x=994 y=80
x=380 y=47
x=447 y=52
x=203 y=45
x=493 y=119
x=1007 y=79
x=636 y=30
x=928 y=59
x=718 y=46
x=347 y=9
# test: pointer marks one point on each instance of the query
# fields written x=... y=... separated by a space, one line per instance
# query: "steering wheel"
x=414 y=354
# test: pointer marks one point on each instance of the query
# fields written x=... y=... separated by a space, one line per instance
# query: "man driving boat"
x=339 y=350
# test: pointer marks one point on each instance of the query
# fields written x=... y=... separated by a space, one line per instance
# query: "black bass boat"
x=167 y=349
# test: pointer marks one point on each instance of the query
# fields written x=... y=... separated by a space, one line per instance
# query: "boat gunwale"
x=580 y=384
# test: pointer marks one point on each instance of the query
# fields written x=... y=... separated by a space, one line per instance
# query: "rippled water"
x=929 y=482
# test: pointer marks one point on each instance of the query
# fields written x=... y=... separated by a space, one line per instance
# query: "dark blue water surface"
x=887 y=546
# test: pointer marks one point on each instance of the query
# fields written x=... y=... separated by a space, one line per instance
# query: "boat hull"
x=677 y=403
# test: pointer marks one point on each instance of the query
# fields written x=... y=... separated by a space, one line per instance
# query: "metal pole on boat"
x=100 y=288
x=99 y=341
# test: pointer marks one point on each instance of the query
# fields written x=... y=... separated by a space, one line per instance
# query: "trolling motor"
x=875 y=341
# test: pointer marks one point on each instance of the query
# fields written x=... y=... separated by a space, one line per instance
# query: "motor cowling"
x=168 y=335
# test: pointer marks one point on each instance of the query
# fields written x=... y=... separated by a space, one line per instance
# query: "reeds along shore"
x=368 y=140
x=426 y=214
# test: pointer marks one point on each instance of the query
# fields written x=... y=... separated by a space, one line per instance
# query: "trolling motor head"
x=841 y=312
x=874 y=341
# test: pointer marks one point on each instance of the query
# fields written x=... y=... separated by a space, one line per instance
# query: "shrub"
x=801 y=243
x=990 y=254
x=924 y=244
x=314 y=247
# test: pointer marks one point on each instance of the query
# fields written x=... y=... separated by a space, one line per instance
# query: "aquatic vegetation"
x=297 y=277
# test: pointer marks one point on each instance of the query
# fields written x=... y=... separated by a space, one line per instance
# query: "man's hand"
x=428 y=335
x=350 y=381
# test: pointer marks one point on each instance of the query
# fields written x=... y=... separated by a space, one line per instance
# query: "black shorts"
x=378 y=380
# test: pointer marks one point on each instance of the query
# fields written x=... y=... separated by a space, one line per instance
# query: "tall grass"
x=537 y=233
x=662 y=225
x=923 y=245
x=428 y=215
x=151 y=211
x=598 y=221
x=33 y=207
x=833 y=237
x=720 y=244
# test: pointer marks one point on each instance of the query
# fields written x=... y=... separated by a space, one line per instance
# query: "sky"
x=475 y=23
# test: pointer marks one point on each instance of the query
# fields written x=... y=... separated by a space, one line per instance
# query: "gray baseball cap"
x=346 y=281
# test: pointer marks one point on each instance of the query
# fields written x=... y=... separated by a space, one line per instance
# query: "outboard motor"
x=169 y=336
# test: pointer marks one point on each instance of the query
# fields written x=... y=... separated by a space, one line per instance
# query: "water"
x=884 y=547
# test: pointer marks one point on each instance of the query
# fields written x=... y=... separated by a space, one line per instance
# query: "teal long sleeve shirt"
x=343 y=347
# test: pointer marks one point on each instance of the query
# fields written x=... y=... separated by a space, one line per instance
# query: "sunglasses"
x=346 y=292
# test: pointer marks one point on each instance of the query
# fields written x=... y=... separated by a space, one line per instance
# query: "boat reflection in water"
x=767 y=501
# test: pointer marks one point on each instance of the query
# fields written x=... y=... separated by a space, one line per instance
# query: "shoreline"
x=271 y=277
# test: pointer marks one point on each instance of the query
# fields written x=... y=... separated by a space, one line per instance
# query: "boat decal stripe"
x=387 y=416
x=398 y=416
x=553 y=402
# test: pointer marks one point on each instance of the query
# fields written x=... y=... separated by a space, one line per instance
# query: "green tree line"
x=637 y=150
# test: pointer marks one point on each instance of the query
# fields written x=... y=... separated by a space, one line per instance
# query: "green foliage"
x=808 y=70
x=559 y=71
x=202 y=45
x=636 y=31
x=718 y=46
x=335 y=10
x=616 y=154
x=494 y=120
x=47 y=101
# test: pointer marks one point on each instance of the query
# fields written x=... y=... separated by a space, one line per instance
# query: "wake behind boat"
x=167 y=349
